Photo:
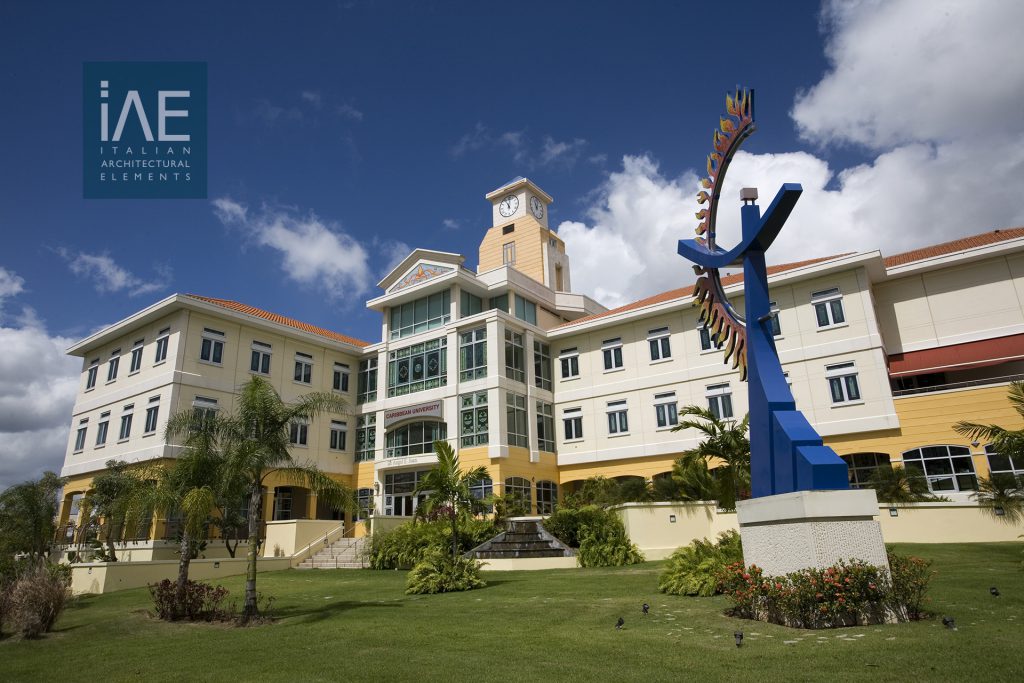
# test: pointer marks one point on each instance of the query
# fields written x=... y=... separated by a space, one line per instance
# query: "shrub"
x=408 y=544
x=606 y=544
x=567 y=523
x=438 y=572
x=845 y=594
x=37 y=598
x=698 y=569
x=200 y=602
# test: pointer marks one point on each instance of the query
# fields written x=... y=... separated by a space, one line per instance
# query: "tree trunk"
x=455 y=535
x=185 y=549
x=112 y=554
x=251 y=610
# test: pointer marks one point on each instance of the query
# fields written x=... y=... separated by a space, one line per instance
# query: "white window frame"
x=163 y=340
x=263 y=354
x=303 y=368
x=716 y=395
x=338 y=436
x=83 y=428
x=617 y=413
x=611 y=355
x=152 y=416
x=666 y=410
x=508 y=254
x=825 y=299
x=341 y=381
x=546 y=427
x=298 y=434
x=659 y=345
x=206 y=405
x=102 y=429
x=125 y=431
x=470 y=343
x=703 y=330
x=113 y=365
x=135 y=365
x=839 y=375
x=572 y=417
x=215 y=337
x=91 y=374
x=516 y=408
x=569 y=359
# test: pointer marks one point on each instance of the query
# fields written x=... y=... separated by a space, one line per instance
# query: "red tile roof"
x=972 y=242
x=683 y=292
x=279 y=319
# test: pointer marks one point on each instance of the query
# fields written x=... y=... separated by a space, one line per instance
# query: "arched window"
x=862 y=467
x=1004 y=464
x=481 y=490
x=519 y=490
x=547 y=497
x=947 y=468
x=415 y=438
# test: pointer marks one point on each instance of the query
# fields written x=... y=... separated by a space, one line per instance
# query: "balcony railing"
x=1006 y=379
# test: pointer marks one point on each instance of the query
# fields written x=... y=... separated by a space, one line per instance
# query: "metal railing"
x=1006 y=379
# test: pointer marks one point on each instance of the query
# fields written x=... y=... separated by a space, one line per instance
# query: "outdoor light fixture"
x=672 y=519
x=748 y=194
x=894 y=512
x=216 y=565
x=999 y=511
x=739 y=638
x=975 y=443
x=949 y=622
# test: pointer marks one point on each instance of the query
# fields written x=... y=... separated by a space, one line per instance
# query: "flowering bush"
x=201 y=601
x=846 y=594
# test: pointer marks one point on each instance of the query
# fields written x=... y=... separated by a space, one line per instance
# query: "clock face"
x=509 y=205
x=537 y=208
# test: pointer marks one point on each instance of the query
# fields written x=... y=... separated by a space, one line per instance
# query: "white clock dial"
x=536 y=207
x=509 y=205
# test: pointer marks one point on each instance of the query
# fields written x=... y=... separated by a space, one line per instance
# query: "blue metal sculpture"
x=786 y=453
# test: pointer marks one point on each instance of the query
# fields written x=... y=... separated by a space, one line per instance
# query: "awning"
x=975 y=354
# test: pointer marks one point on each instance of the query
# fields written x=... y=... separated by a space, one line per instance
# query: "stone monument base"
x=793 y=531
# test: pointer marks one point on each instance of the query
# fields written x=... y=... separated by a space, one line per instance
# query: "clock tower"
x=520 y=238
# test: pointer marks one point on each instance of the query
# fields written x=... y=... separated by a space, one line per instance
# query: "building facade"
x=546 y=387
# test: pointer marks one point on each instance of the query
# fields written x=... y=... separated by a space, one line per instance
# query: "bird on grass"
x=646 y=608
x=949 y=622
x=619 y=624
x=994 y=591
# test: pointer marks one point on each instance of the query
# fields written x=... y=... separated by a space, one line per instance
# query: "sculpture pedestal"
x=792 y=531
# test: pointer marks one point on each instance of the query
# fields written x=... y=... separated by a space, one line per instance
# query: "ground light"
x=739 y=638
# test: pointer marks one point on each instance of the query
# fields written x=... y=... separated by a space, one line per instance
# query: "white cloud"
x=551 y=153
x=392 y=251
x=312 y=97
x=939 y=182
x=314 y=252
x=107 y=276
x=271 y=113
x=347 y=111
x=561 y=153
x=10 y=285
x=450 y=224
x=471 y=141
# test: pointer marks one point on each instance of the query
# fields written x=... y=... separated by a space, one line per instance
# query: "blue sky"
x=343 y=134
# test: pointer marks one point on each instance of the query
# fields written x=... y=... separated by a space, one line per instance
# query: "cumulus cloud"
x=10 y=285
x=927 y=183
x=314 y=252
x=107 y=276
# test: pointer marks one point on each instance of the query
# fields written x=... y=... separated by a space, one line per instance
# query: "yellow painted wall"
x=530 y=238
x=643 y=467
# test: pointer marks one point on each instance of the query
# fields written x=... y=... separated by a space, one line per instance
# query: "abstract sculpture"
x=786 y=453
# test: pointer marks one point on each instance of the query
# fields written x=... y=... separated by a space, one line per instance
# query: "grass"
x=546 y=625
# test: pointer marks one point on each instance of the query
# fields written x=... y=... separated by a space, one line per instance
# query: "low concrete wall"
x=529 y=563
x=106 y=577
x=286 y=537
x=659 y=528
x=145 y=551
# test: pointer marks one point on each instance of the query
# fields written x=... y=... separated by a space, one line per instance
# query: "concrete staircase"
x=345 y=553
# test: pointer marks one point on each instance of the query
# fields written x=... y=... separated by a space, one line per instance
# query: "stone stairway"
x=522 y=538
x=345 y=553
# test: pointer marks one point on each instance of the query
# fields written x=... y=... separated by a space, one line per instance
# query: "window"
x=152 y=413
x=572 y=420
x=508 y=254
x=90 y=375
x=204 y=408
x=398 y=490
x=161 y=345
x=415 y=438
x=508 y=229
x=519 y=489
x=339 y=430
x=481 y=490
x=260 y=358
x=366 y=437
x=569 y=359
x=212 y=349
x=366 y=389
x=547 y=497
x=341 y=373
x=101 y=429
x=473 y=409
x=473 y=354
x=773 y=308
x=299 y=433
x=618 y=420
x=115 y=360
x=471 y=304
x=828 y=307
x=1004 y=464
x=947 y=468
x=542 y=365
x=126 y=422
x=515 y=412
x=421 y=315
x=418 y=367
x=706 y=341
x=611 y=349
x=545 y=427
x=526 y=310
x=303 y=368
x=666 y=412
x=364 y=504
x=83 y=426
x=515 y=360
x=136 y=362
x=658 y=340
x=720 y=400
x=282 y=503
x=842 y=382
x=499 y=303
x=862 y=467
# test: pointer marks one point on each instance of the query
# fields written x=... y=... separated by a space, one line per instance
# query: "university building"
x=546 y=387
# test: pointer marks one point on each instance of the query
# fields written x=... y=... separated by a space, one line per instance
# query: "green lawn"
x=537 y=626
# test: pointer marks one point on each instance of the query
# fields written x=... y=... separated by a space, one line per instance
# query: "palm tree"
x=1003 y=495
x=113 y=498
x=725 y=446
x=693 y=481
x=898 y=486
x=255 y=441
x=447 y=488
x=27 y=513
